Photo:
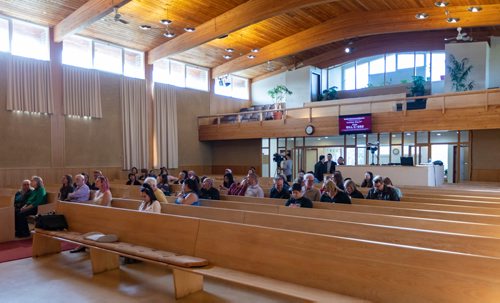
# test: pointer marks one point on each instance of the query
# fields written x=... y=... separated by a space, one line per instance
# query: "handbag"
x=51 y=222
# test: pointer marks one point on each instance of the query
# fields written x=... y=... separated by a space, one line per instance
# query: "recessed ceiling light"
x=145 y=27
x=348 y=50
x=441 y=3
x=189 y=29
x=452 y=20
x=408 y=134
x=227 y=57
x=251 y=57
x=474 y=9
x=255 y=50
x=229 y=50
x=169 y=34
x=438 y=134
x=165 y=21
x=421 y=16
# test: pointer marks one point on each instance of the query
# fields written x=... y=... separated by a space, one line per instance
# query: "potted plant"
x=278 y=94
x=459 y=72
x=330 y=94
x=416 y=89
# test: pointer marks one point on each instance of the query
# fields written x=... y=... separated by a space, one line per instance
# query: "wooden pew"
x=7 y=232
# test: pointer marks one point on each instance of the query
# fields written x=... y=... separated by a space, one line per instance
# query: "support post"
x=186 y=283
x=103 y=260
x=45 y=245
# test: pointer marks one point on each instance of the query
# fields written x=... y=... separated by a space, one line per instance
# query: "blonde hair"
x=331 y=188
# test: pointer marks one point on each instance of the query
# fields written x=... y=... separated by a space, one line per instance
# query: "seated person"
x=381 y=192
x=228 y=181
x=298 y=199
x=388 y=182
x=192 y=175
x=189 y=195
x=368 y=180
x=144 y=174
x=160 y=196
x=352 y=191
x=81 y=192
x=149 y=203
x=310 y=192
x=23 y=194
x=280 y=190
x=103 y=195
x=132 y=180
x=134 y=170
x=66 y=188
x=253 y=188
x=339 y=180
x=97 y=173
x=208 y=191
x=333 y=194
x=182 y=176
x=163 y=184
x=238 y=189
x=37 y=197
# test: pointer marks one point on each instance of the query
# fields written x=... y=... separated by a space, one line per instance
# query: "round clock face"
x=395 y=151
x=309 y=130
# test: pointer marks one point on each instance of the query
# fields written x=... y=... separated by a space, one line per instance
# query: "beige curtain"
x=81 y=92
x=29 y=85
x=166 y=125
x=135 y=123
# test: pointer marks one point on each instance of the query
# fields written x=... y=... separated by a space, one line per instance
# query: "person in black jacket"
x=368 y=181
x=333 y=194
x=330 y=164
x=208 y=191
x=381 y=192
x=297 y=199
x=352 y=191
x=320 y=168
x=280 y=190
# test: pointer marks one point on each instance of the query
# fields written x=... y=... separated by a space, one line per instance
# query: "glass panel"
x=349 y=80
x=281 y=142
x=464 y=163
x=384 y=156
x=161 y=71
x=405 y=71
x=361 y=140
x=240 y=88
x=265 y=162
x=350 y=140
x=107 y=58
x=409 y=140
x=29 y=40
x=422 y=64
x=464 y=136
x=406 y=60
x=177 y=75
x=221 y=89
x=335 y=77
x=290 y=143
x=299 y=141
x=272 y=151
x=362 y=156
x=77 y=51
x=4 y=35
x=390 y=63
x=377 y=65
x=265 y=142
x=438 y=66
x=396 y=138
x=396 y=152
x=133 y=65
x=444 y=136
x=384 y=139
x=318 y=141
x=361 y=74
x=350 y=157
x=196 y=78
x=423 y=137
x=424 y=155
x=372 y=138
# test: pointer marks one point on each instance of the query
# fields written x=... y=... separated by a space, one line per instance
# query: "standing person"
x=286 y=165
x=310 y=191
x=37 y=197
x=66 y=188
x=333 y=194
x=280 y=190
x=320 y=168
x=103 y=195
x=368 y=181
x=297 y=199
x=381 y=192
x=23 y=194
x=149 y=202
x=330 y=164
x=81 y=192
x=253 y=189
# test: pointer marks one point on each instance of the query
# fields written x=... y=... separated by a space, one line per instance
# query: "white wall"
x=478 y=55
x=495 y=62
x=298 y=81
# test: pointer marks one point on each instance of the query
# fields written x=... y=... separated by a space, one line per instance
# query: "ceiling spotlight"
x=251 y=57
x=421 y=16
x=474 y=9
x=169 y=34
x=189 y=29
x=441 y=3
x=229 y=50
x=452 y=20
x=255 y=50
x=348 y=50
x=227 y=57
x=165 y=21
x=145 y=27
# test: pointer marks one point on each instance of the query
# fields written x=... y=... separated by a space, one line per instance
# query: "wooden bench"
x=168 y=235
x=7 y=232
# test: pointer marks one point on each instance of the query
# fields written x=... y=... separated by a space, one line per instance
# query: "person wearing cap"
x=380 y=191
x=297 y=199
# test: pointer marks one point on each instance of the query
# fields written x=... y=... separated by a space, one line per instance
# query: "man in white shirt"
x=253 y=189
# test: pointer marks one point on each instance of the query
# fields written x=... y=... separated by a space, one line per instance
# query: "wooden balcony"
x=390 y=113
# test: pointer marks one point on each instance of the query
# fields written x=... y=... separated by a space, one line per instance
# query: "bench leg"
x=43 y=245
x=103 y=260
x=186 y=283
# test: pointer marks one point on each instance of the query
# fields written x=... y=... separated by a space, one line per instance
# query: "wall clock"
x=309 y=129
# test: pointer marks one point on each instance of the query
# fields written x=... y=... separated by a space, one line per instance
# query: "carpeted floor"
x=20 y=249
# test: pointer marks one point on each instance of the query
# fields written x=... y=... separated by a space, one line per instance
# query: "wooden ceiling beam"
x=87 y=14
x=361 y=24
x=248 y=13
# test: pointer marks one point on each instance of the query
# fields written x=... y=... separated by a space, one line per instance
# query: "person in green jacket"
x=37 y=197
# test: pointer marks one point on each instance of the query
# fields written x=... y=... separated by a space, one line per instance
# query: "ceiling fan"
x=460 y=36
x=118 y=17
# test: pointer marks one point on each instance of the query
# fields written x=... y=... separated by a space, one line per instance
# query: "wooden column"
x=57 y=125
x=103 y=260
x=43 y=245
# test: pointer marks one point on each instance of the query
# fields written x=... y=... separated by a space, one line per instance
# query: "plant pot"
x=277 y=115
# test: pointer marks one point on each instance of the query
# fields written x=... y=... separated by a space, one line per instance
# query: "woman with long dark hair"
x=189 y=194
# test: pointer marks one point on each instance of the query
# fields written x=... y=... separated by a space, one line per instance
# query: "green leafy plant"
x=279 y=93
x=459 y=72
x=418 y=86
x=330 y=94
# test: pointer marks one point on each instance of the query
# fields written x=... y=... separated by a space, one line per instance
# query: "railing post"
x=218 y=120
x=310 y=114
x=487 y=100
x=443 y=110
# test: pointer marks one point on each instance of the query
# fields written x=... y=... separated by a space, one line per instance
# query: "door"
x=311 y=159
x=315 y=87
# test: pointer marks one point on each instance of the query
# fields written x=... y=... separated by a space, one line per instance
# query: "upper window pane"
x=406 y=60
x=177 y=74
x=438 y=66
x=133 y=64
x=196 y=78
x=390 y=63
x=349 y=72
x=377 y=65
x=240 y=88
x=4 y=35
x=30 y=40
x=77 y=51
x=161 y=71
x=107 y=58
x=362 y=75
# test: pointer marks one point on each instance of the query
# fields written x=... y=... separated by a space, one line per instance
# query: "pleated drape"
x=166 y=125
x=29 y=85
x=135 y=123
x=81 y=92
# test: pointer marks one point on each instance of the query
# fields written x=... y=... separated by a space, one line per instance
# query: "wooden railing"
x=478 y=98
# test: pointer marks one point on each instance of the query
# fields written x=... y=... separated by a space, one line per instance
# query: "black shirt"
x=129 y=182
x=386 y=194
x=283 y=194
x=319 y=170
x=357 y=195
x=212 y=193
x=340 y=197
x=302 y=202
x=64 y=191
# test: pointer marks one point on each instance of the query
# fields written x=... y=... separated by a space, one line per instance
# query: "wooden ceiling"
x=289 y=33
